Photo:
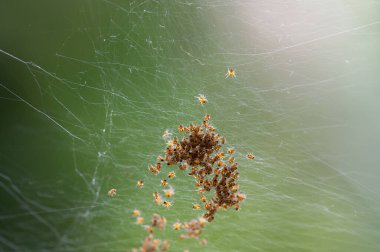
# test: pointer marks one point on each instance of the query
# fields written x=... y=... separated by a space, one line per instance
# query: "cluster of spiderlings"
x=200 y=151
x=150 y=245
x=193 y=228
x=158 y=221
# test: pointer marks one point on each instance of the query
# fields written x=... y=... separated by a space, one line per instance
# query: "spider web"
x=87 y=89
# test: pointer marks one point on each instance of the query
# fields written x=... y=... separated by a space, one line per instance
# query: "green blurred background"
x=88 y=87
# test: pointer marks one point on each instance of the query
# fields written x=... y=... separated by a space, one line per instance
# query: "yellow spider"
x=164 y=182
x=231 y=72
x=171 y=174
x=140 y=184
x=169 y=192
x=196 y=206
x=136 y=212
x=167 y=204
x=176 y=226
x=202 y=99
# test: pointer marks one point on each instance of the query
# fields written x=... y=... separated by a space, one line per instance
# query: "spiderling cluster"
x=200 y=153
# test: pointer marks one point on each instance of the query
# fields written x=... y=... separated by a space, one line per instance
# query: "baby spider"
x=231 y=150
x=140 y=184
x=203 y=198
x=139 y=220
x=241 y=196
x=136 y=212
x=148 y=228
x=166 y=134
x=156 y=242
x=169 y=192
x=158 y=166
x=171 y=174
x=231 y=72
x=182 y=167
x=220 y=155
x=157 y=198
x=153 y=169
x=250 y=156
x=176 y=226
x=112 y=192
x=202 y=99
x=164 y=182
x=160 y=159
x=181 y=128
x=170 y=143
x=211 y=128
x=167 y=204
x=223 y=140
x=196 y=206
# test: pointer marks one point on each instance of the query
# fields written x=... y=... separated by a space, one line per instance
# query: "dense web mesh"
x=88 y=88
